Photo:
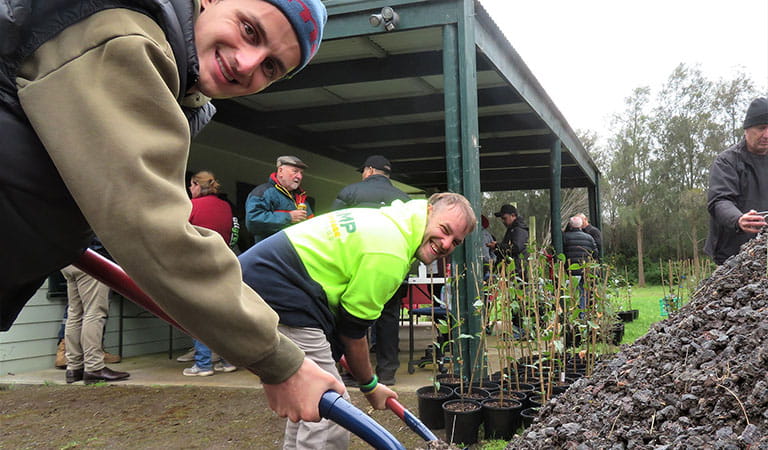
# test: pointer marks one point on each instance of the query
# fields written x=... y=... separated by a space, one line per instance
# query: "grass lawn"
x=646 y=300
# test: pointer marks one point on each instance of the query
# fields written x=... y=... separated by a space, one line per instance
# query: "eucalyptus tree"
x=630 y=168
x=732 y=97
x=687 y=137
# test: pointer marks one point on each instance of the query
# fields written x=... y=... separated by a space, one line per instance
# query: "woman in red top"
x=208 y=210
x=211 y=212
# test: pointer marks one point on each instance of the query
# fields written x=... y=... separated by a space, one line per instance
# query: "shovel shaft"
x=115 y=277
x=334 y=407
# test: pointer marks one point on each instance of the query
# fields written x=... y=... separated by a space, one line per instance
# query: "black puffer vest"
x=42 y=229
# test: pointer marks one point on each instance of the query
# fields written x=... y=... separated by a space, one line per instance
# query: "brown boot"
x=110 y=358
x=61 y=356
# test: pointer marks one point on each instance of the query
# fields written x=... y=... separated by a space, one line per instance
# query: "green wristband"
x=371 y=385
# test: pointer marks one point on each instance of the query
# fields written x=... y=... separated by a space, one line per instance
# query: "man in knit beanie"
x=738 y=193
x=98 y=104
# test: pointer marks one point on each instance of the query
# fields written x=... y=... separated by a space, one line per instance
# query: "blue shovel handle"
x=335 y=408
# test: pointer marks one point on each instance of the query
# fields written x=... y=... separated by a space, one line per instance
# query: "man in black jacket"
x=578 y=247
x=515 y=240
x=375 y=191
x=738 y=187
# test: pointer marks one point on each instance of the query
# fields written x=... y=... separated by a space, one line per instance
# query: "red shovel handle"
x=115 y=277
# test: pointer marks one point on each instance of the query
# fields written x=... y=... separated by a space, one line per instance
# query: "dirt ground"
x=114 y=416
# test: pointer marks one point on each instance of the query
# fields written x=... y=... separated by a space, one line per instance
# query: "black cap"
x=377 y=162
x=506 y=209
x=757 y=113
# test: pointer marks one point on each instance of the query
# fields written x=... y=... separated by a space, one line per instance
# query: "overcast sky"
x=589 y=55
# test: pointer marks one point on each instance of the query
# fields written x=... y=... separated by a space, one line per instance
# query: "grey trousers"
x=86 y=315
x=323 y=435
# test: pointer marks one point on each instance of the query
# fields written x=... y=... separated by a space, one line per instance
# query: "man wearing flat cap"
x=738 y=187
x=515 y=240
x=375 y=191
x=279 y=202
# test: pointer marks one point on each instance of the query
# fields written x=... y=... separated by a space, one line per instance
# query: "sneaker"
x=215 y=357
x=196 y=371
x=187 y=357
x=110 y=358
x=224 y=367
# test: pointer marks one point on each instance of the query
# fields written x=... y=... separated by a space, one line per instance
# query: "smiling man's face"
x=243 y=46
x=446 y=229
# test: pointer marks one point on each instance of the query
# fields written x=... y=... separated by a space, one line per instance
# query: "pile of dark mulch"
x=698 y=380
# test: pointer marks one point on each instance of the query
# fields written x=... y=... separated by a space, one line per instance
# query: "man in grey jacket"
x=738 y=187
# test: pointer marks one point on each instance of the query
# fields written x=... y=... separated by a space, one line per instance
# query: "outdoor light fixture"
x=388 y=17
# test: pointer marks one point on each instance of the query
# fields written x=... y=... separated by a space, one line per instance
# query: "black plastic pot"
x=475 y=394
x=527 y=415
x=534 y=399
x=625 y=316
x=431 y=405
x=560 y=387
x=487 y=384
x=635 y=313
x=511 y=395
x=501 y=420
x=617 y=333
x=462 y=426
x=496 y=376
x=575 y=375
x=450 y=380
x=522 y=387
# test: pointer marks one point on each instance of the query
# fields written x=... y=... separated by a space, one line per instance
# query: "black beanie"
x=757 y=113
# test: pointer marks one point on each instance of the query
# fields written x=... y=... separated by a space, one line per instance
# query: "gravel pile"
x=698 y=380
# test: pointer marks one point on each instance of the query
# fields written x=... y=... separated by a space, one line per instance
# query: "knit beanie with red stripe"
x=307 y=17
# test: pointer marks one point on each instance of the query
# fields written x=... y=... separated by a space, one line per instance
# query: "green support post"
x=594 y=208
x=463 y=166
x=555 y=165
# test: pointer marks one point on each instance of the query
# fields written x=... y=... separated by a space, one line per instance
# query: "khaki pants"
x=86 y=315
x=323 y=435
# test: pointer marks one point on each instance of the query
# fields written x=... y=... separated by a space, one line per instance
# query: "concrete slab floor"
x=157 y=369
